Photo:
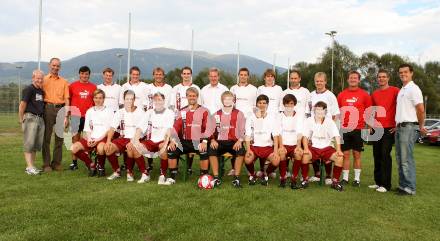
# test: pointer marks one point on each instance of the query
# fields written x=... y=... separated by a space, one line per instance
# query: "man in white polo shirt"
x=410 y=116
x=141 y=89
x=212 y=92
x=245 y=93
x=301 y=94
x=159 y=85
x=111 y=90
x=271 y=90
x=178 y=95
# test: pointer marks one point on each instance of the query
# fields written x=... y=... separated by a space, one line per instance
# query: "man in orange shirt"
x=56 y=99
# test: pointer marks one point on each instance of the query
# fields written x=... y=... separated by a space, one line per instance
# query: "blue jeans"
x=405 y=140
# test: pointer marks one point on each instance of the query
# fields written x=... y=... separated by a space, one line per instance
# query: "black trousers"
x=382 y=159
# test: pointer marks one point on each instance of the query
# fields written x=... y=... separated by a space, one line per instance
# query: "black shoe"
x=343 y=182
x=122 y=168
x=73 y=166
x=236 y=183
x=337 y=186
x=92 y=172
x=252 y=180
x=356 y=183
x=282 y=183
x=401 y=192
x=293 y=184
x=264 y=181
x=304 y=184
x=101 y=172
x=217 y=182
x=189 y=171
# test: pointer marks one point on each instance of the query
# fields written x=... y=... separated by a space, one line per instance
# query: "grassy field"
x=71 y=206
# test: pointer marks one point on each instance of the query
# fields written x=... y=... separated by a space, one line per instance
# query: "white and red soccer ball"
x=206 y=182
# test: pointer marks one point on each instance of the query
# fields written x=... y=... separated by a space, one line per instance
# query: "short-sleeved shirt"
x=320 y=134
x=81 y=96
x=178 y=96
x=353 y=103
x=245 y=97
x=327 y=97
x=387 y=99
x=97 y=122
x=112 y=93
x=291 y=128
x=263 y=130
x=34 y=99
x=154 y=124
x=165 y=89
x=141 y=91
x=127 y=121
x=56 y=89
x=211 y=97
x=274 y=93
x=302 y=96
x=409 y=96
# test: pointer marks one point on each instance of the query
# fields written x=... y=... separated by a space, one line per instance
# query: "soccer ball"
x=205 y=182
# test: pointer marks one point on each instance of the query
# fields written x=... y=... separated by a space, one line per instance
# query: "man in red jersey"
x=81 y=99
x=384 y=98
x=353 y=101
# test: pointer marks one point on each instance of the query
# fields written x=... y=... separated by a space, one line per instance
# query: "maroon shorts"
x=87 y=148
x=151 y=146
x=323 y=154
x=121 y=143
x=290 y=150
x=262 y=151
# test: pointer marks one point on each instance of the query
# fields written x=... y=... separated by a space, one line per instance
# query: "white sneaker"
x=145 y=178
x=231 y=172
x=288 y=174
x=381 y=189
x=314 y=179
x=273 y=175
x=32 y=171
x=328 y=181
x=114 y=176
x=169 y=181
x=130 y=177
x=373 y=186
x=162 y=180
x=259 y=174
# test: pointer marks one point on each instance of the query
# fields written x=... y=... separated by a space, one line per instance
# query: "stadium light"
x=129 y=47
x=40 y=14
x=332 y=35
x=288 y=72
x=238 y=60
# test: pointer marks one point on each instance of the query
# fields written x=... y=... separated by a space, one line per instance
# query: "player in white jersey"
x=155 y=126
x=160 y=86
x=290 y=139
x=245 y=93
x=112 y=90
x=301 y=94
x=140 y=89
x=323 y=94
x=262 y=129
x=271 y=90
x=126 y=119
x=96 y=126
x=319 y=132
x=212 y=92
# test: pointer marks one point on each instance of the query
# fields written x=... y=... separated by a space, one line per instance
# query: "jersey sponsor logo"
x=84 y=94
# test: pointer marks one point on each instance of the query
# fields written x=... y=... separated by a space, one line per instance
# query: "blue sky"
x=290 y=29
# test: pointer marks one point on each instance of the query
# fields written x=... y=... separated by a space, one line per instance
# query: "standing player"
x=263 y=129
x=290 y=139
x=112 y=90
x=301 y=94
x=126 y=119
x=96 y=127
x=385 y=97
x=155 y=126
x=160 y=86
x=192 y=129
x=323 y=94
x=140 y=89
x=228 y=137
x=353 y=102
x=212 y=92
x=271 y=90
x=320 y=130
x=81 y=99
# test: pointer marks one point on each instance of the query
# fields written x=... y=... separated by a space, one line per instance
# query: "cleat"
x=115 y=175
x=252 y=180
x=101 y=172
x=328 y=181
x=162 y=180
x=145 y=178
x=373 y=186
x=356 y=183
x=282 y=183
x=381 y=189
x=304 y=184
x=337 y=186
x=169 y=181
x=32 y=171
x=130 y=177
x=73 y=166
x=264 y=181
x=236 y=183
x=314 y=179
x=92 y=172
x=293 y=184
x=216 y=182
x=344 y=182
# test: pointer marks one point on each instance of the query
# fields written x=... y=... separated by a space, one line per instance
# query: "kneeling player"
x=290 y=140
x=192 y=129
x=126 y=119
x=155 y=125
x=228 y=137
x=96 y=126
x=320 y=130
x=263 y=128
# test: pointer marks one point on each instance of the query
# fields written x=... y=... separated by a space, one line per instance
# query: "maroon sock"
x=113 y=159
x=328 y=169
x=129 y=164
x=250 y=168
x=271 y=168
x=163 y=166
x=84 y=157
x=316 y=169
x=295 y=168
x=305 y=171
x=101 y=161
x=283 y=169
x=140 y=162
x=337 y=173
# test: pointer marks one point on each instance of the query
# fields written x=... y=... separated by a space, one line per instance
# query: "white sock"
x=345 y=174
x=357 y=174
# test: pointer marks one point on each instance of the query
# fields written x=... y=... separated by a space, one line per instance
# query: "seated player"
x=189 y=135
x=263 y=129
x=320 y=130
x=290 y=139
x=126 y=119
x=228 y=137
x=95 y=128
x=155 y=127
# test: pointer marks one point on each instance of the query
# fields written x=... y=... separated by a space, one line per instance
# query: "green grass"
x=71 y=206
